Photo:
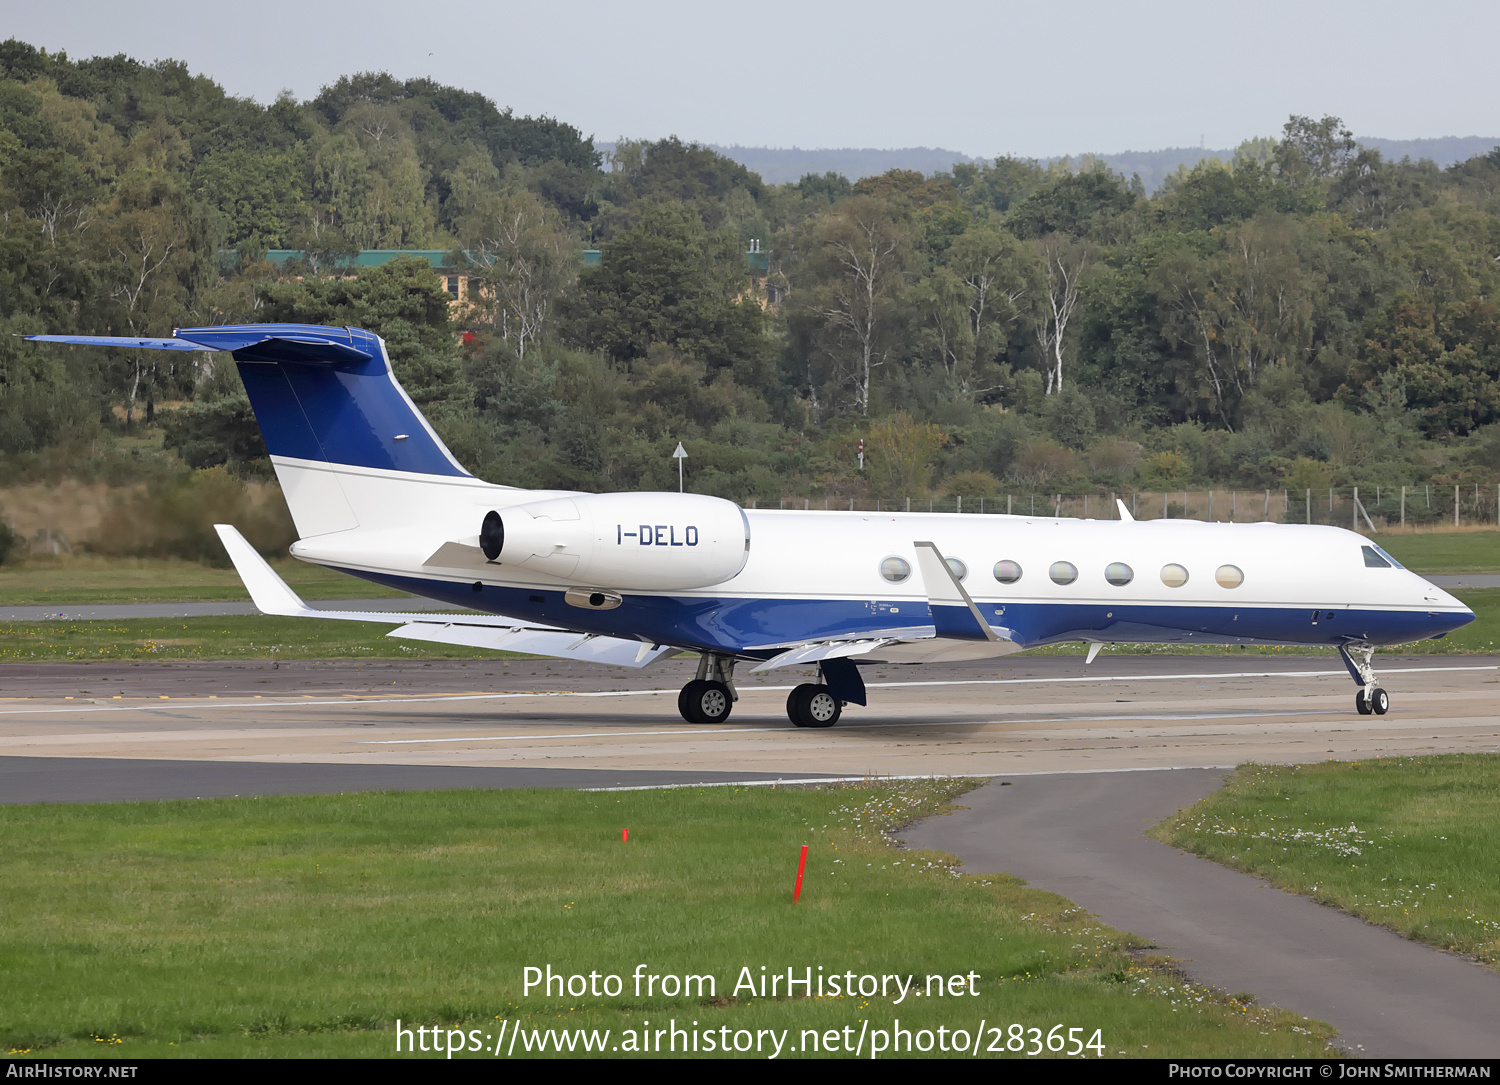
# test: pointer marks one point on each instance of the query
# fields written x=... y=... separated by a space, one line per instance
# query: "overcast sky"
x=1002 y=77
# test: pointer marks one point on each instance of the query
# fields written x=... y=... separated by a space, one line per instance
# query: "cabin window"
x=895 y=569
x=1063 y=572
x=1229 y=576
x=1373 y=560
x=957 y=568
x=1174 y=576
x=1119 y=574
x=1007 y=571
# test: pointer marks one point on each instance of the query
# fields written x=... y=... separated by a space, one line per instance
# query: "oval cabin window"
x=1007 y=571
x=957 y=568
x=1229 y=576
x=1063 y=572
x=1119 y=574
x=1174 y=576
x=895 y=569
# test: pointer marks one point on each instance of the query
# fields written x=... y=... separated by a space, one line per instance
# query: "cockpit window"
x=1373 y=560
x=1385 y=555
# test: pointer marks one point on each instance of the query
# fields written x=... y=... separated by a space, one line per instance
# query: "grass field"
x=84 y=579
x=265 y=637
x=1408 y=843
x=1445 y=551
x=308 y=925
x=249 y=636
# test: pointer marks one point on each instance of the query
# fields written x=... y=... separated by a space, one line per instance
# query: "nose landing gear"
x=1371 y=698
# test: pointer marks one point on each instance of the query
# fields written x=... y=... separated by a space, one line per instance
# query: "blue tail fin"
x=328 y=394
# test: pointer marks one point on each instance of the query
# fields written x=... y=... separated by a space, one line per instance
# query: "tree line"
x=1306 y=313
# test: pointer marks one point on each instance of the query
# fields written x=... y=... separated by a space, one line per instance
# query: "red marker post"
x=801 y=866
x=624 y=836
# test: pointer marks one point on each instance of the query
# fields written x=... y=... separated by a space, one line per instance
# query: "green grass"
x=1446 y=552
x=308 y=925
x=246 y=636
x=40 y=582
x=1408 y=842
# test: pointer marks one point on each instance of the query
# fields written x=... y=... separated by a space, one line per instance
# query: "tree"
x=1311 y=152
x=900 y=455
x=862 y=251
x=1446 y=358
x=155 y=251
x=1002 y=281
x=1078 y=204
x=1243 y=308
x=526 y=260
x=1064 y=262
x=669 y=280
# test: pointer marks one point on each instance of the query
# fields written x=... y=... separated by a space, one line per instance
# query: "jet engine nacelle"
x=642 y=541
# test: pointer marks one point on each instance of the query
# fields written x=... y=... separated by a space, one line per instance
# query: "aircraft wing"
x=271 y=595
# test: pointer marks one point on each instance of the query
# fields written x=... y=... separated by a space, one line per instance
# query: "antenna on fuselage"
x=1124 y=512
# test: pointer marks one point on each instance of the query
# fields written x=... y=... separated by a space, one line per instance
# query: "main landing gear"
x=1370 y=698
x=812 y=705
x=710 y=697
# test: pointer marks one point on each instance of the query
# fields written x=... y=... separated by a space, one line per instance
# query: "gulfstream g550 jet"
x=625 y=578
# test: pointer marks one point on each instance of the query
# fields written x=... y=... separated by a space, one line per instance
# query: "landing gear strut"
x=710 y=697
x=1370 y=698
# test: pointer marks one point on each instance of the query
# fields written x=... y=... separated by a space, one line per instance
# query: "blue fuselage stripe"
x=728 y=624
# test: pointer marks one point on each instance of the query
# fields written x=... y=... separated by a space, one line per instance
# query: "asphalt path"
x=1082 y=836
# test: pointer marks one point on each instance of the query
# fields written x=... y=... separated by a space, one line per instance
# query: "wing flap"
x=828 y=649
x=615 y=651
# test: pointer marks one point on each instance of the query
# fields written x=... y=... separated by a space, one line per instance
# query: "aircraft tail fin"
x=333 y=416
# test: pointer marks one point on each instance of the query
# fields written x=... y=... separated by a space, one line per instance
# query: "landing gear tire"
x=685 y=701
x=1362 y=704
x=705 y=702
x=811 y=705
x=1378 y=702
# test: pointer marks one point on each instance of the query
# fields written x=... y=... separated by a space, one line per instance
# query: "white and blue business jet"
x=625 y=578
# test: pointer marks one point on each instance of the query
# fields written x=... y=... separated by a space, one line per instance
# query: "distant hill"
x=777 y=165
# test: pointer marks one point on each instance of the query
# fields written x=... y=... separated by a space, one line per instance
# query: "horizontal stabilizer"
x=247 y=342
x=271 y=595
x=121 y=341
